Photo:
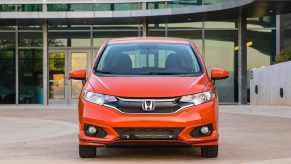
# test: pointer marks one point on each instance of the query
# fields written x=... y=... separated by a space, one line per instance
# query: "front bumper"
x=109 y=119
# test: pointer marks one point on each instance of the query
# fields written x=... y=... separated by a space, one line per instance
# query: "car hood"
x=148 y=86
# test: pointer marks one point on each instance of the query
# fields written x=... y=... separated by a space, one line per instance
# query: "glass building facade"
x=72 y=45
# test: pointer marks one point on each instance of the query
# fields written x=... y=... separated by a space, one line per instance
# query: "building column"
x=45 y=61
x=145 y=25
x=242 y=60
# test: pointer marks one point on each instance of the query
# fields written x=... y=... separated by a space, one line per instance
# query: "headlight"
x=199 y=98
x=97 y=98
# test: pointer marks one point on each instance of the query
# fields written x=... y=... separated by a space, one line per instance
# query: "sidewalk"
x=49 y=134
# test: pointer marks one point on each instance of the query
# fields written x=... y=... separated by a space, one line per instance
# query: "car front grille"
x=134 y=105
x=148 y=134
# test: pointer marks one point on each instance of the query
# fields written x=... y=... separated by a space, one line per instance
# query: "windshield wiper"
x=103 y=72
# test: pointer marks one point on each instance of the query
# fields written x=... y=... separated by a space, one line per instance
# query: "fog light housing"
x=94 y=131
x=202 y=131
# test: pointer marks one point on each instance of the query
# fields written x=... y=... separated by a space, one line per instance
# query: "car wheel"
x=87 y=151
x=209 y=151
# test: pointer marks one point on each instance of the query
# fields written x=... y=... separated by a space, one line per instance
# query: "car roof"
x=148 y=39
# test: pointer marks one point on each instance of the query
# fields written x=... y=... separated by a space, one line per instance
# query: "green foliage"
x=284 y=56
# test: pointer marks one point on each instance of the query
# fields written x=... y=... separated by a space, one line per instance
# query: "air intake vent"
x=148 y=134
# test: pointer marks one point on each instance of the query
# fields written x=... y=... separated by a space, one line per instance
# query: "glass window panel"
x=103 y=7
x=56 y=75
x=30 y=39
x=196 y=36
x=57 y=7
x=261 y=22
x=285 y=20
x=7 y=8
x=115 y=27
x=188 y=25
x=30 y=7
x=174 y=4
x=30 y=27
x=158 y=30
x=69 y=39
x=79 y=60
x=156 y=5
x=220 y=53
x=102 y=36
x=286 y=38
x=30 y=77
x=157 y=33
x=69 y=27
x=207 y=2
x=262 y=47
x=220 y=24
x=7 y=25
x=7 y=68
x=80 y=7
x=127 y=6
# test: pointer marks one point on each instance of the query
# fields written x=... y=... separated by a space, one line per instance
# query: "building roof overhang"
x=214 y=12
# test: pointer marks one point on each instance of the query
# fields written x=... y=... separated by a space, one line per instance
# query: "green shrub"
x=284 y=56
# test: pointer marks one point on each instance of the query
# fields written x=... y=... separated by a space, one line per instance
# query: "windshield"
x=148 y=59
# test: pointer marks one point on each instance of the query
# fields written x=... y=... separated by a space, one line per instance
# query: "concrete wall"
x=269 y=80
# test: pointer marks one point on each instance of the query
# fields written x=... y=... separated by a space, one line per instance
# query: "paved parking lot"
x=36 y=134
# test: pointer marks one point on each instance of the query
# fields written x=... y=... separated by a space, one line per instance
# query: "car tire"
x=87 y=151
x=209 y=151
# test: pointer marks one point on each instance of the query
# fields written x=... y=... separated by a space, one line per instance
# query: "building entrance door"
x=62 y=90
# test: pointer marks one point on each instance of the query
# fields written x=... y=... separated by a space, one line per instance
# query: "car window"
x=149 y=59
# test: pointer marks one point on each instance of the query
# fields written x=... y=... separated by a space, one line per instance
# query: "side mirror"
x=219 y=74
x=78 y=74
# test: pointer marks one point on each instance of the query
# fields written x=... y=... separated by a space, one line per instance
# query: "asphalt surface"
x=248 y=134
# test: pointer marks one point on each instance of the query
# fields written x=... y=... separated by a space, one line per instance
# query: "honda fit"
x=148 y=92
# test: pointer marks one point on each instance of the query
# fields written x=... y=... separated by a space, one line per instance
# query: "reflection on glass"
x=69 y=39
x=261 y=22
x=185 y=26
x=30 y=7
x=30 y=77
x=100 y=37
x=27 y=39
x=7 y=7
x=80 y=7
x=157 y=5
x=220 y=53
x=57 y=7
x=196 y=36
x=173 y=4
x=220 y=24
x=7 y=68
x=79 y=60
x=56 y=75
x=207 y=2
x=127 y=6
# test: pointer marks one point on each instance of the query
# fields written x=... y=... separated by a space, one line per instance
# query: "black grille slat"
x=136 y=106
x=148 y=133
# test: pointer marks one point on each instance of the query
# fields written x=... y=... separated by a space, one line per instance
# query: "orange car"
x=148 y=91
